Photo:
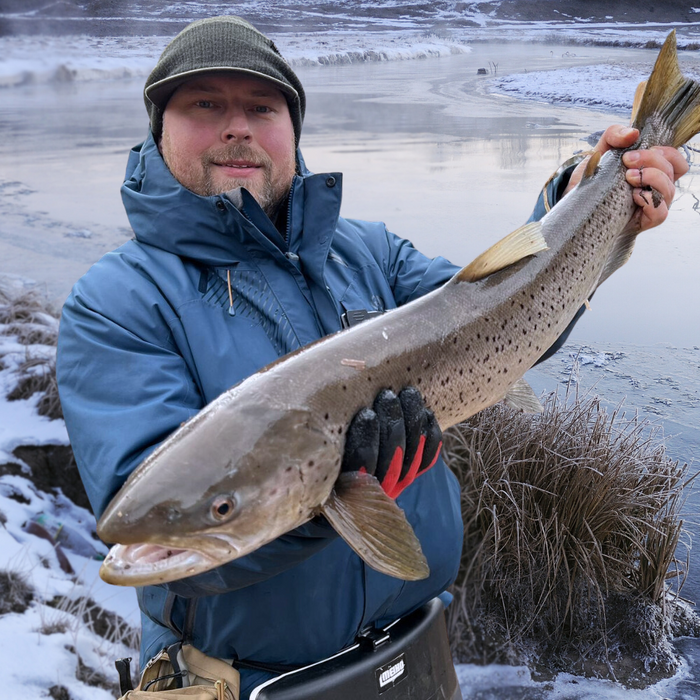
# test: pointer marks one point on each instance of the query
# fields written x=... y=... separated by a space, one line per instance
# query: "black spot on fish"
x=289 y=469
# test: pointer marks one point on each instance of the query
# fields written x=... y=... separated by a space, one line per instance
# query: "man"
x=239 y=257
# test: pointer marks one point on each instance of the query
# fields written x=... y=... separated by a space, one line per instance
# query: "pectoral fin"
x=522 y=397
x=375 y=527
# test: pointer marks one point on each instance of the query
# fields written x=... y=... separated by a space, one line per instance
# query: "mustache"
x=238 y=152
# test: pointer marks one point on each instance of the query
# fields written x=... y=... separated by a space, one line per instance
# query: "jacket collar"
x=220 y=229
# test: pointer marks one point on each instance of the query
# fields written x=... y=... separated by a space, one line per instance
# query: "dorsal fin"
x=525 y=241
x=591 y=166
x=637 y=102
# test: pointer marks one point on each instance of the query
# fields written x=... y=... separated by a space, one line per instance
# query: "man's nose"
x=236 y=127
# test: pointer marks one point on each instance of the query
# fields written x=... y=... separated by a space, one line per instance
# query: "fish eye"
x=222 y=508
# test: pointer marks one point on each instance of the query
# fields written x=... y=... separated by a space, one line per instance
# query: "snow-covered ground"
x=59 y=576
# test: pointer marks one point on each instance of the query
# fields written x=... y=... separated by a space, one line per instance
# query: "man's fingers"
x=654 y=178
x=617 y=136
x=362 y=443
x=652 y=212
x=668 y=160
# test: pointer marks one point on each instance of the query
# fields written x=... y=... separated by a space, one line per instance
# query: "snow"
x=614 y=85
x=55 y=637
x=29 y=635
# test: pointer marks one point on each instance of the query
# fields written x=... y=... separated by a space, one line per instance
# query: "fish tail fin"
x=671 y=97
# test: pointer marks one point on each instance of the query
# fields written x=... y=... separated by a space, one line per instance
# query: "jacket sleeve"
x=551 y=193
x=122 y=393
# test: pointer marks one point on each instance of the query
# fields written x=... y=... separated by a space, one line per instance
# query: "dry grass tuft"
x=32 y=321
x=59 y=692
x=86 y=613
x=39 y=375
x=16 y=592
x=24 y=307
x=571 y=527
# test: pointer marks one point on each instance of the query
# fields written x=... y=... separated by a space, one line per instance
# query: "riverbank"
x=429 y=147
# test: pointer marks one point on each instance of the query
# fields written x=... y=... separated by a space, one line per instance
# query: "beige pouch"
x=209 y=678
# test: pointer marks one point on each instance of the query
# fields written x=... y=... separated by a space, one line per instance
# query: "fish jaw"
x=145 y=564
x=163 y=522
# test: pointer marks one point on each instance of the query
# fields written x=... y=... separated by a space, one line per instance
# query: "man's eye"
x=205 y=104
x=262 y=109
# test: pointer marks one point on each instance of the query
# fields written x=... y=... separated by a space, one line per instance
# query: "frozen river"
x=426 y=146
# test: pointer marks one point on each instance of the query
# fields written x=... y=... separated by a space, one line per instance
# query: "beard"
x=269 y=192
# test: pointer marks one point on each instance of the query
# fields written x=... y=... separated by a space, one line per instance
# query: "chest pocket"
x=368 y=290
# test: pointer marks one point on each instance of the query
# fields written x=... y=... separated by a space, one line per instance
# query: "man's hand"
x=657 y=168
x=396 y=440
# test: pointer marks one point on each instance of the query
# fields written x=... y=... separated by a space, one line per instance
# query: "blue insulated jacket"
x=149 y=336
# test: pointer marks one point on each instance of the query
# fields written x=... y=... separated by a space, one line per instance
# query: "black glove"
x=396 y=440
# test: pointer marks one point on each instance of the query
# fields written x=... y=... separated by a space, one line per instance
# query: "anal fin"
x=620 y=254
x=375 y=527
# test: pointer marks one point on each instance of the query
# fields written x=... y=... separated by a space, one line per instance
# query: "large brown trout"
x=265 y=456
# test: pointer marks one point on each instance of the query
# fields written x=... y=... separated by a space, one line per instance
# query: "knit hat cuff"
x=159 y=93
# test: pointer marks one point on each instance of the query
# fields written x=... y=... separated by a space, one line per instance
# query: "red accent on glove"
x=393 y=473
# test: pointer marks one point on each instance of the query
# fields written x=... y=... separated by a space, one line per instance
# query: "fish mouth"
x=146 y=563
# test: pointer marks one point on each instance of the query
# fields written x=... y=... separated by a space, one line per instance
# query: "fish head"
x=233 y=478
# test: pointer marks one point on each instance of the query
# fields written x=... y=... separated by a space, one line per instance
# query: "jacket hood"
x=212 y=230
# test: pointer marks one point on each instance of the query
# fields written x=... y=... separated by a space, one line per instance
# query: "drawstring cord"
x=231 y=310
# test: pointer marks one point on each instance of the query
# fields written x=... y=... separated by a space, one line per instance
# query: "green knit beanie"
x=227 y=44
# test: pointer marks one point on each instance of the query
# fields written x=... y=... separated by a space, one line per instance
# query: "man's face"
x=222 y=131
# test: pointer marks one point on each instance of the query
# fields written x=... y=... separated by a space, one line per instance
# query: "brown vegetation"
x=15 y=592
x=32 y=321
x=572 y=521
